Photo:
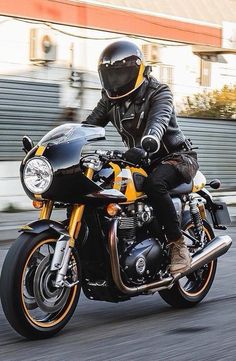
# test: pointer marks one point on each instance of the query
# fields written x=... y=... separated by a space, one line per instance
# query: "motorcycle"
x=110 y=245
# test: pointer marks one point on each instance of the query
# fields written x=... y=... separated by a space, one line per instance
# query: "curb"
x=9 y=231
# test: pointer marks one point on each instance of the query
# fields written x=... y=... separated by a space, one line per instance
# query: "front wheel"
x=34 y=307
x=190 y=290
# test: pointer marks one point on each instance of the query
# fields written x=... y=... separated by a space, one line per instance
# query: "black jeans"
x=162 y=179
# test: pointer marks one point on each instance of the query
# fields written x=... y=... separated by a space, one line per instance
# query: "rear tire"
x=31 y=303
x=191 y=290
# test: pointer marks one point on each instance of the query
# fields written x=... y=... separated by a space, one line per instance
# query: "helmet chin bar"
x=124 y=95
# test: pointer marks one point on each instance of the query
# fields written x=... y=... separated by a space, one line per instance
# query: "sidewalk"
x=10 y=223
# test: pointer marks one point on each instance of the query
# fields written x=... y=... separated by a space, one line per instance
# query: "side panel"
x=199 y=182
x=141 y=174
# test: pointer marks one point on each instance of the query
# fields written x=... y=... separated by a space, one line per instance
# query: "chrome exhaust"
x=214 y=249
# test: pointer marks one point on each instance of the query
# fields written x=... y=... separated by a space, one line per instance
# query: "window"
x=205 y=73
x=166 y=74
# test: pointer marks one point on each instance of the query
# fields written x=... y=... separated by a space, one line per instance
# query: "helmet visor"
x=118 y=80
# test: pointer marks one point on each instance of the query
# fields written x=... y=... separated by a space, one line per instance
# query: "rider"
x=141 y=109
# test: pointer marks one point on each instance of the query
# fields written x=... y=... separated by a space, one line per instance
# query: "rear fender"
x=43 y=225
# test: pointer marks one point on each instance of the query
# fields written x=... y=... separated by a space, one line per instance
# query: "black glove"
x=150 y=143
x=135 y=155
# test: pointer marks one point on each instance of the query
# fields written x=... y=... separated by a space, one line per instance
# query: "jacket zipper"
x=124 y=131
x=118 y=124
x=140 y=120
x=166 y=149
x=127 y=118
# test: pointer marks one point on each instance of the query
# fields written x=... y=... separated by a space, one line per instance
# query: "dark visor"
x=118 y=81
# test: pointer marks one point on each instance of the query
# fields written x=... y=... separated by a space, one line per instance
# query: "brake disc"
x=28 y=289
x=48 y=298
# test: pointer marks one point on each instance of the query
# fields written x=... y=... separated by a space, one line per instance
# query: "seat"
x=183 y=188
x=198 y=182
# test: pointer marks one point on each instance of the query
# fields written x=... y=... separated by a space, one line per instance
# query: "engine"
x=140 y=253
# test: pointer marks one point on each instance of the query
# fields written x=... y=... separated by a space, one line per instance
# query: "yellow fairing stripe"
x=140 y=76
x=130 y=192
x=40 y=150
x=117 y=180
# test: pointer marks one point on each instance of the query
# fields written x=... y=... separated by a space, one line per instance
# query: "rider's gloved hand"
x=150 y=143
x=135 y=155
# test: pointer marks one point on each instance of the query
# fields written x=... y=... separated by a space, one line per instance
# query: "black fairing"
x=69 y=184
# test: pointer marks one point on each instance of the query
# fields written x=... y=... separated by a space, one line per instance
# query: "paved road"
x=144 y=328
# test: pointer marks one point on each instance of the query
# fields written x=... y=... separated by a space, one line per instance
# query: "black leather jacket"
x=149 y=111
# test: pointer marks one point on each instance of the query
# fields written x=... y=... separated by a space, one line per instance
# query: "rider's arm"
x=161 y=108
x=99 y=114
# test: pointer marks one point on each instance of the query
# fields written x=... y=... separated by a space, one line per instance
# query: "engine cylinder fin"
x=127 y=222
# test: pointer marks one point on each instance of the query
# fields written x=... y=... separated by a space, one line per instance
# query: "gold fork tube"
x=77 y=214
x=75 y=223
x=45 y=212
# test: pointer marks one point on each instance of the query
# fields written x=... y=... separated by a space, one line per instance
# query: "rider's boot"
x=180 y=256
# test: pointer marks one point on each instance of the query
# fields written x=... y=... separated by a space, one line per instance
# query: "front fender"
x=42 y=225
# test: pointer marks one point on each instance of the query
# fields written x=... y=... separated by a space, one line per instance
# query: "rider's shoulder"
x=156 y=84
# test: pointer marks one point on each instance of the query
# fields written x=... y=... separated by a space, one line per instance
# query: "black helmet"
x=121 y=68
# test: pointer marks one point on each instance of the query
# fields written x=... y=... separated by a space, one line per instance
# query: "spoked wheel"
x=32 y=304
x=190 y=290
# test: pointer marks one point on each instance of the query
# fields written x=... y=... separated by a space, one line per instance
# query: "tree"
x=212 y=104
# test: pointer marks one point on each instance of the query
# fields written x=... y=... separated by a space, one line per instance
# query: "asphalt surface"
x=144 y=328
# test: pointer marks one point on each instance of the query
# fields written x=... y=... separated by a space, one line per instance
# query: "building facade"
x=50 y=51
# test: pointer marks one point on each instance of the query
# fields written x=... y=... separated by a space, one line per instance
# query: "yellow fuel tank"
x=129 y=181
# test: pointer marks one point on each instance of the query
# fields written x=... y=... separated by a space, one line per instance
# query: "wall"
x=87 y=46
x=217 y=157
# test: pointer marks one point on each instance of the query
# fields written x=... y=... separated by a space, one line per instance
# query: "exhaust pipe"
x=214 y=249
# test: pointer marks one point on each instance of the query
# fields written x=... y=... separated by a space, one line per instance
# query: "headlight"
x=38 y=175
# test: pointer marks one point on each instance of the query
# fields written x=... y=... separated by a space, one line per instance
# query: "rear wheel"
x=34 y=307
x=190 y=290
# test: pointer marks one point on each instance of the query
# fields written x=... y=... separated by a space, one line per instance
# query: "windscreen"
x=70 y=131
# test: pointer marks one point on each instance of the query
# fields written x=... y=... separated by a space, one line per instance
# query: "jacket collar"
x=149 y=82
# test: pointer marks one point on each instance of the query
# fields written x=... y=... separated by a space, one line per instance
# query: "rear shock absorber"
x=196 y=218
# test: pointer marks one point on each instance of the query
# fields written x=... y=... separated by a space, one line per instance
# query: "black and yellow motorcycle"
x=110 y=245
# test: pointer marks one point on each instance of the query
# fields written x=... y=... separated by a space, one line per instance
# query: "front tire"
x=31 y=303
x=190 y=290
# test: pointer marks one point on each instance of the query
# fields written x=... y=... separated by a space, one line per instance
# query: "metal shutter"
x=26 y=107
x=216 y=141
